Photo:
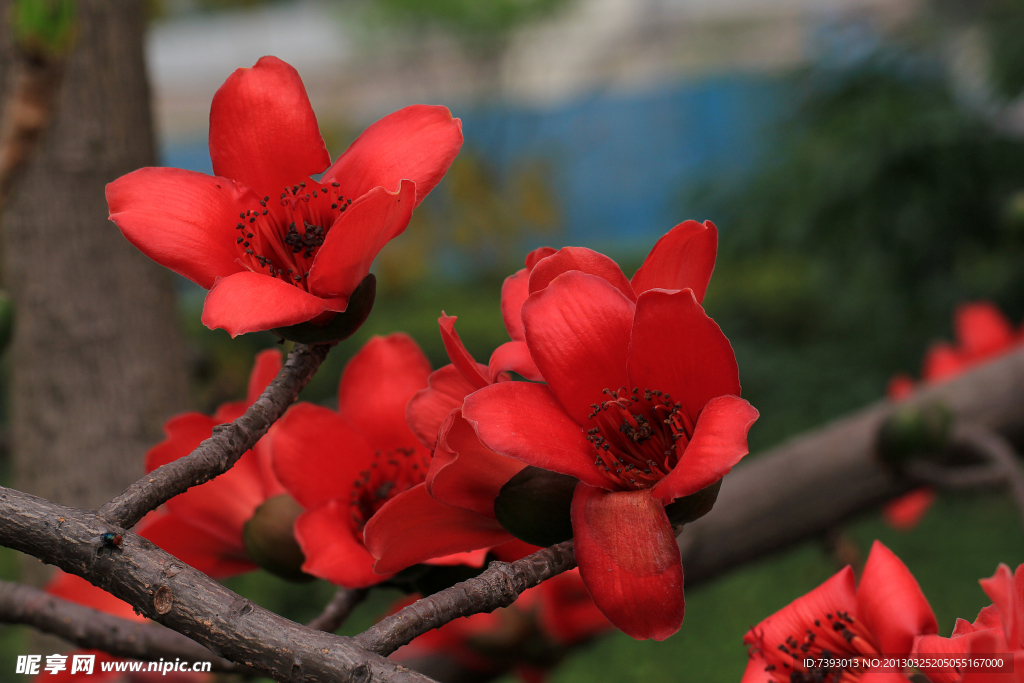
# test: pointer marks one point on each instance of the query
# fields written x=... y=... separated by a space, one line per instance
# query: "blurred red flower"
x=998 y=630
x=345 y=465
x=982 y=333
x=203 y=526
x=274 y=247
x=838 y=619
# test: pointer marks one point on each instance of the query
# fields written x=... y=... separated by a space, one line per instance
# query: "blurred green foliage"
x=44 y=29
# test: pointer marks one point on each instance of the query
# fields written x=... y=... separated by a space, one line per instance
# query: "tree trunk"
x=98 y=361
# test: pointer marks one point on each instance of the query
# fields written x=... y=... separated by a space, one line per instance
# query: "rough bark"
x=98 y=361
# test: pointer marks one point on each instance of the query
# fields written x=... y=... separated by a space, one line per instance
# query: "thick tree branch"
x=219 y=453
x=94 y=630
x=338 y=609
x=498 y=586
x=168 y=591
x=821 y=479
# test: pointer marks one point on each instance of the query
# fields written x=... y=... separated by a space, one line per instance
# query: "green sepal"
x=343 y=325
x=269 y=538
x=535 y=505
x=694 y=506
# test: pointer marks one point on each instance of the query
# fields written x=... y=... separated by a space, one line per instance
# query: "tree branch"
x=338 y=609
x=219 y=453
x=498 y=586
x=822 y=478
x=170 y=592
x=94 y=630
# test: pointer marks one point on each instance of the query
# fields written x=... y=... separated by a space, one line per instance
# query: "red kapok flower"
x=642 y=406
x=274 y=247
x=204 y=525
x=998 y=630
x=344 y=465
x=840 y=620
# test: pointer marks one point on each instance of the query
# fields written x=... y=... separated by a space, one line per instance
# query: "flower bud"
x=912 y=432
x=270 y=540
x=534 y=506
x=342 y=325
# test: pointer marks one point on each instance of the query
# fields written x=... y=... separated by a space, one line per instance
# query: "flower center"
x=836 y=637
x=638 y=436
x=283 y=242
x=390 y=473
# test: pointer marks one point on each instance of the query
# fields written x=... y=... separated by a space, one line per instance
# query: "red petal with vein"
x=334 y=550
x=196 y=547
x=514 y=291
x=578 y=330
x=265 y=369
x=250 y=302
x=461 y=358
x=418 y=142
x=755 y=671
x=525 y=421
x=356 y=238
x=629 y=560
x=318 y=454
x=1007 y=593
x=891 y=604
x=412 y=527
x=466 y=474
x=429 y=407
x=683 y=258
x=513 y=356
x=263 y=131
x=584 y=260
x=79 y=591
x=376 y=387
x=183 y=220
x=184 y=432
x=701 y=365
x=934 y=645
x=982 y=329
x=719 y=442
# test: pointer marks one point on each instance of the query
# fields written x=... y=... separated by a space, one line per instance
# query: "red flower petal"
x=525 y=421
x=418 y=143
x=265 y=369
x=263 y=131
x=815 y=611
x=318 y=454
x=719 y=442
x=183 y=220
x=682 y=259
x=1007 y=595
x=513 y=356
x=629 y=560
x=904 y=513
x=516 y=289
x=412 y=527
x=334 y=550
x=473 y=372
x=701 y=365
x=250 y=302
x=584 y=260
x=941 y=362
x=982 y=329
x=356 y=238
x=464 y=473
x=376 y=387
x=578 y=331
x=184 y=432
x=195 y=546
x=428 y=408
x=890 y=603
